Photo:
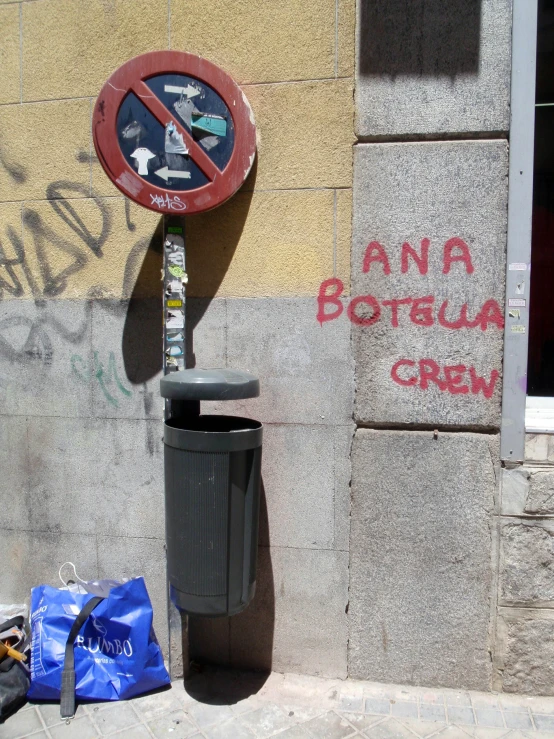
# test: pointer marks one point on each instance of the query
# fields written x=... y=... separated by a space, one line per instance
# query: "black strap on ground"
x=67 y=693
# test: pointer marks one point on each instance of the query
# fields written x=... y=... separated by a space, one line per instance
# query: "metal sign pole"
x=174 y=292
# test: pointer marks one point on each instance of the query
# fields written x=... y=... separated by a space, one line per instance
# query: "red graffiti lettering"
x=360 y=320
x=395 y=376
x=490 y=313
x=464 y=257
x=462 y=321
x=324 y=299
x=480 y=384
x=429 y=372
x=421 y=260
x=376 y=253
x=421 y=312
x=394 y=303
x=454 y=377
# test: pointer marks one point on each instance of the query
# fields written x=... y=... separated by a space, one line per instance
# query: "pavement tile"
x=206 y=714
x=21 y=724
x=483 y=700
x=543 y=722
x=455 y=698
x=329 y=726
x=361 y=722
x=232 y=729
x=432 y=712
x=248 y=704
x=267 y=720
x=149 y=705
x=175 y=724
x=300 y=714
x=452 y=732
x=50 y=713
x=460 y=715
x=518 y=720
x=423 y=728
x=114 y=717
x=83 y=728
x=389 y=729
x=483 y=732
x=377 y=705
x=489 y=717
x=404 y=709
x=136 y=732
x=295 y=732
x=351 y=703
x=430 y=696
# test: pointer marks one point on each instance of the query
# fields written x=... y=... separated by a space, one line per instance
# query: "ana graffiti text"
x=367 y=310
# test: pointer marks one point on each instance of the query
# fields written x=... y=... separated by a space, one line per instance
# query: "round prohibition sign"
x=218 y=181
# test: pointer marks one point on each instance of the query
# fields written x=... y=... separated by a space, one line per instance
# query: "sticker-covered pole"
x=174 y=291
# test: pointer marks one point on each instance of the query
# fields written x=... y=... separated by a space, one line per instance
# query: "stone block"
x=344 y=238
x=34 y=557
x=433 y=67
x=420 y=562
x=305 y=471
x=58 y=130
x=259 y=42
x=79 y=247
x=527 y=563
x=9 y=55
x=346 y=37
x=14 y=492
x=38 y=343
x=262 y=244
x=448 y=198
x=101 y=476
x=305 y=373
x=528 y=490
x=206 y=327
x=126 y=557
x=525 y=652
x=126 y=367
x=92 y=40
x=316 y=155
x=296 y=621
x=539 y=448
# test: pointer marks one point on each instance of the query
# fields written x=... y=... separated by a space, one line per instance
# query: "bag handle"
x=67 y=692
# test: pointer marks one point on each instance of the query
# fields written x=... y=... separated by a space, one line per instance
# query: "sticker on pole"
x=174 y=132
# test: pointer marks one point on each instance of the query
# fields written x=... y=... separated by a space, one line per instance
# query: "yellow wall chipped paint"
x=282 y=239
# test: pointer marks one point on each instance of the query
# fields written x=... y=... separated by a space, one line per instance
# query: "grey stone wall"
x=525 y=628
x=428 y=265
x=82 y=454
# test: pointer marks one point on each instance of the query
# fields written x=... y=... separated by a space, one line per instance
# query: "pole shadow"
x=422 y=38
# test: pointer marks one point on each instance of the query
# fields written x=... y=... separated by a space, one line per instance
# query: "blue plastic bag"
x=116 y=652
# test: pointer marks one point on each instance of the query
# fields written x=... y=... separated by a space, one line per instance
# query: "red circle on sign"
x=131 y=78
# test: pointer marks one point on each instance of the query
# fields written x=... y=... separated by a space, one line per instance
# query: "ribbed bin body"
x=212 y=501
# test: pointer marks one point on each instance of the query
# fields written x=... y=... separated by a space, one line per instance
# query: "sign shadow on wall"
x=422 y=38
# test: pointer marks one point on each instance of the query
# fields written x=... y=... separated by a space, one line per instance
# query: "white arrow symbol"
x=165 y=173
x=189 y=90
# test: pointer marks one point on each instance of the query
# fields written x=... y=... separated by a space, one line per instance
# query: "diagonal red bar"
x=159 y=111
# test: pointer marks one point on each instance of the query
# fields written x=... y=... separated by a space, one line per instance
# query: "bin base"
x=211 y=606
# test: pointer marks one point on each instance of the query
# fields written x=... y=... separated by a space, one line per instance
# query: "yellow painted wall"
x=65 y=231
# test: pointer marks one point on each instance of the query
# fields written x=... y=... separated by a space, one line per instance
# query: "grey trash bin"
x=212 y=493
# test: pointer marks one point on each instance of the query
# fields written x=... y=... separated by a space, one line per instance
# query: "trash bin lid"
x=209 y=384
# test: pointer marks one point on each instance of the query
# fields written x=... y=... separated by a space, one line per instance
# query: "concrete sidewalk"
x=225 y=704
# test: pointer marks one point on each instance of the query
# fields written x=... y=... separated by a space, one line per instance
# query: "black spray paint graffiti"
x=37 y=271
